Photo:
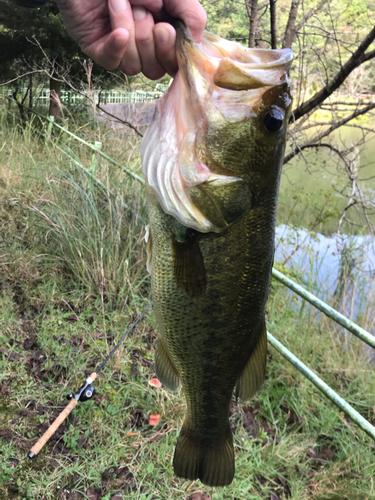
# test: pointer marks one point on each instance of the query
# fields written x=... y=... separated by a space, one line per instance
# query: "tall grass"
x=94 y=234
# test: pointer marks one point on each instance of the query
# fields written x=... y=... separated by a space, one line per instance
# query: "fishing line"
x=84 y=393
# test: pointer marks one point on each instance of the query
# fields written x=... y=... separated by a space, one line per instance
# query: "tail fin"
x=193 y=459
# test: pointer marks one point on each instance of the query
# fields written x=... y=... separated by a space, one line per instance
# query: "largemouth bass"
x=212 y=160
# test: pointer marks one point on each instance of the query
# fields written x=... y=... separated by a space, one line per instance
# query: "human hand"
x=131 y=35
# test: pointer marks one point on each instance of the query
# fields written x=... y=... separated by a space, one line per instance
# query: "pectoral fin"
x=223 y=199
x=165 y=369
x=253 y=375
x=188 y=264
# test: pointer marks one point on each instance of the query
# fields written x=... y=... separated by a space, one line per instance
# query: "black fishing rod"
x=84 y=393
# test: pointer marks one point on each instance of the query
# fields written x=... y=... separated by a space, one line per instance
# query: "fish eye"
x=273 y=120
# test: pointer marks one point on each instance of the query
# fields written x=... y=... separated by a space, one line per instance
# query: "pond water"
x=311 y=184
x=342 y=278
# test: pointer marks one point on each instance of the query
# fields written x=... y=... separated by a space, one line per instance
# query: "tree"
x=35 y=41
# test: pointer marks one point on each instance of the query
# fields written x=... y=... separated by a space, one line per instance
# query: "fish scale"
x=211 y=242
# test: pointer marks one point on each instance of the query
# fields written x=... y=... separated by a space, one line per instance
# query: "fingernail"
x=162 y=35
x=139 y=13
x=119 y=6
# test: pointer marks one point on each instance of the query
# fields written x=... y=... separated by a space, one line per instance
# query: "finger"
x=121 y=16
x=144 y=38
x=192 y=13
x=109 y=50
x=151 y=5
x=165 y=42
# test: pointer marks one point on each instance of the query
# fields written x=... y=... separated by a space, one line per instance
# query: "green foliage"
x=36 y=40
x=23 y=29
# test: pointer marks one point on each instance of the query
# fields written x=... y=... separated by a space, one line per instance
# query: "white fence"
x=104 y=96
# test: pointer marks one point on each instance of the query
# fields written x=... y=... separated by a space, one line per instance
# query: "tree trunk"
x=31 y=103
x=273 y=24
x=20 y=107
x=253 y=14
x=290 y=32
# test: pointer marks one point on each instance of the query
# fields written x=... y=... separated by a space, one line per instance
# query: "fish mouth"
x=215 y=75
x=231 y=66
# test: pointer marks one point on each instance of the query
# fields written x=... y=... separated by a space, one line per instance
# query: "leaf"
x=312 y=453
x=154 y=419
x=261 y=479
x=154 y=382
x=131 y=433
x=112 y=410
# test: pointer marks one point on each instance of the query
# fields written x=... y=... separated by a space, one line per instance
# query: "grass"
x=72 y=279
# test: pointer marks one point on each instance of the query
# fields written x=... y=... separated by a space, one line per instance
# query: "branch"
x=98 y=106
x=322 y=124
x=21 y=76
x=273 y=24
x=343 y=103
x=128 y=124
x=88 y=98
x=356 y=60
x=325 y=145
x=248 y=8
x=311 y=13
x=290 y=31
x=369 y=55
x=356 y=196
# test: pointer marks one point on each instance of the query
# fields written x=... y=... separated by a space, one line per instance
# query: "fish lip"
x=233 y=74
x=286 y=57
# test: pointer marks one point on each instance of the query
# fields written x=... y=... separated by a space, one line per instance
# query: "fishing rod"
x=84 y=393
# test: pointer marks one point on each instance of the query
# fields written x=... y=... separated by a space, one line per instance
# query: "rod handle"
x=56 y=424
x=52 y=429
